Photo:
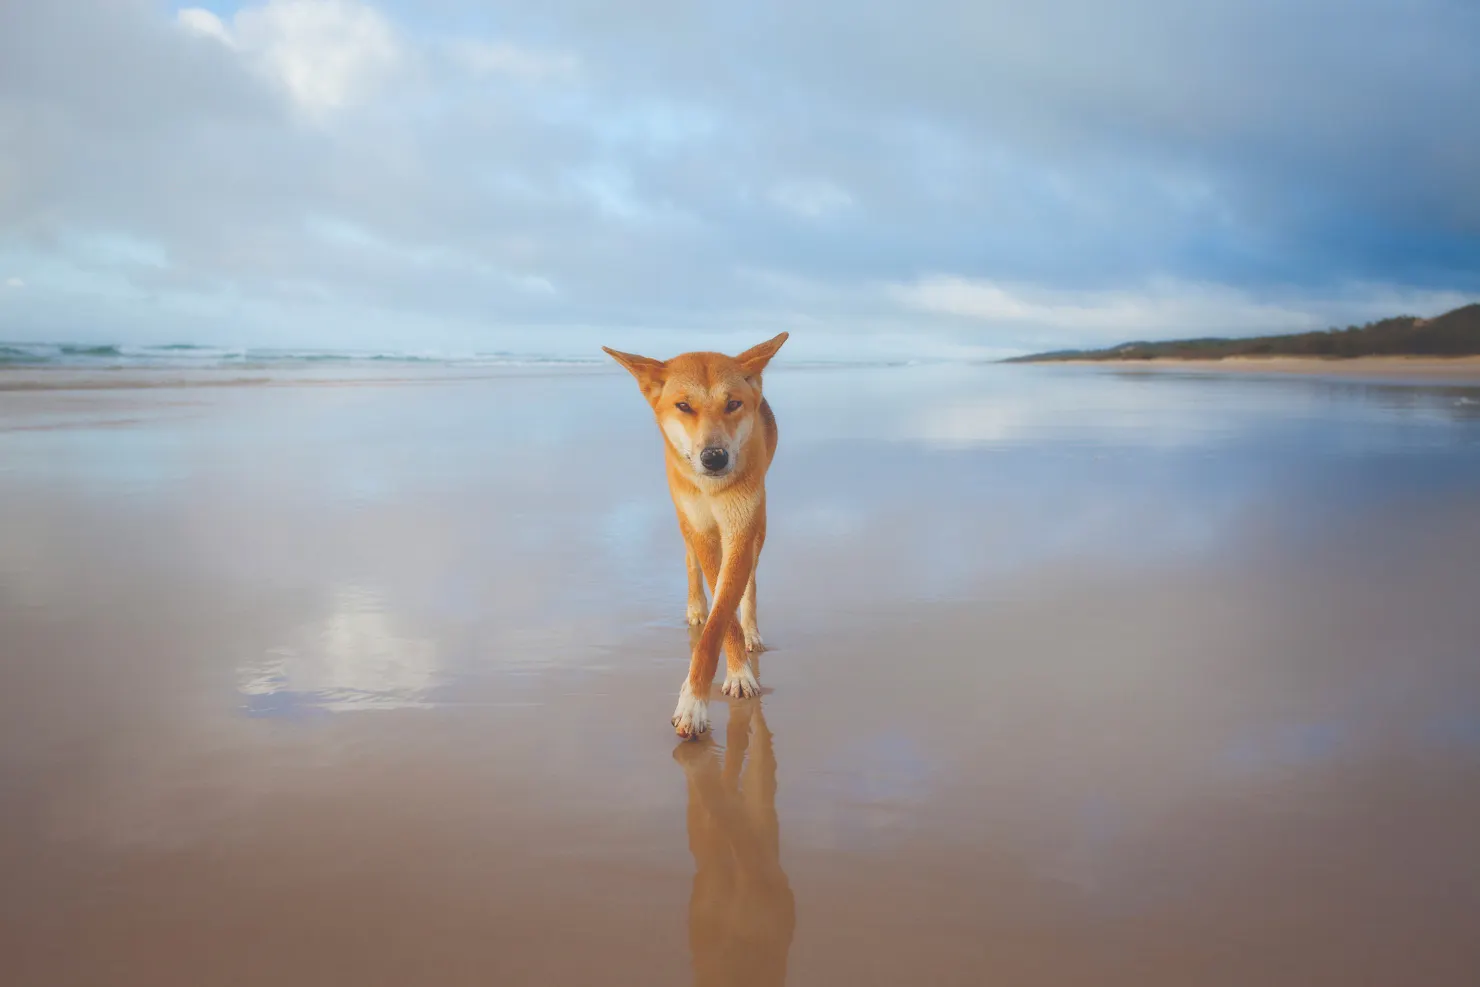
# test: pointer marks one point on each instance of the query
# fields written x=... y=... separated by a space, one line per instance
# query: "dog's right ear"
x=754 y=360
x=649 y=372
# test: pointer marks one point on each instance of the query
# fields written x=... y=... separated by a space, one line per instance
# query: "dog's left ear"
x=754 y=360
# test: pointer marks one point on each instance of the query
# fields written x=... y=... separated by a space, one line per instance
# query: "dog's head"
x=706 y=403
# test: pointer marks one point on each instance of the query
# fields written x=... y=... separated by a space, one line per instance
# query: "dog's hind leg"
x=748 y=625
x=698 y=609
x=740 y=680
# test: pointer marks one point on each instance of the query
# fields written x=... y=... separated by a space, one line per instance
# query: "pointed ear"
x=649 y=372
x=754 y=360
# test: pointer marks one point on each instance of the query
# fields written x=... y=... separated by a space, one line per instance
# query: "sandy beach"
x=1075 y=678
x=1461 y=368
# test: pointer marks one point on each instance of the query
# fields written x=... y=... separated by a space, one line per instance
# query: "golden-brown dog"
x=719 y=437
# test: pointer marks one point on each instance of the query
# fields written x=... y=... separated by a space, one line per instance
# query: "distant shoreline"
x=1465 y=368
x=1453 y=335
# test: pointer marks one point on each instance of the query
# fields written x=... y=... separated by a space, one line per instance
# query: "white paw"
x=696 y=614
x=753 y=640
x=742 y=684
x=691 y=718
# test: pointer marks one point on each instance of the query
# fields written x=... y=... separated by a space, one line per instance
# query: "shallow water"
x=1078 y=677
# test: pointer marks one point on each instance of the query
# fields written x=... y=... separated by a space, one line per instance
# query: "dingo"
x=719 y=438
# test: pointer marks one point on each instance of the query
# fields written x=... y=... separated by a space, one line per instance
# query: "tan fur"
x=722 y=518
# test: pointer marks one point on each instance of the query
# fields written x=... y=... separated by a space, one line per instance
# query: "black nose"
x=714 y=459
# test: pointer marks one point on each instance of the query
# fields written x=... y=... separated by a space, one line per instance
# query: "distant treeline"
x=1454 y=333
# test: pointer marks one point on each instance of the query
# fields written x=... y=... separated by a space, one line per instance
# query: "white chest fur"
x=698 y=511
x=707 y=514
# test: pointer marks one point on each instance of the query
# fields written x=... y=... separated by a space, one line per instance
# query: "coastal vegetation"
x=1452 y=334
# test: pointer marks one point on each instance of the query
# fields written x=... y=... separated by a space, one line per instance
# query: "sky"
x=932 y=178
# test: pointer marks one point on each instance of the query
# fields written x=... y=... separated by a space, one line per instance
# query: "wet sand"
x=1074 y=680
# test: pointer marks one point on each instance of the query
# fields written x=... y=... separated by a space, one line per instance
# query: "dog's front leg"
x=735 y=561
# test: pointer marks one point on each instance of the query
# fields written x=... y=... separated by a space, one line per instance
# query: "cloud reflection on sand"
x=352 y=659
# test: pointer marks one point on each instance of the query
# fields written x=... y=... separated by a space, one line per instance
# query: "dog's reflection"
x=741 y=911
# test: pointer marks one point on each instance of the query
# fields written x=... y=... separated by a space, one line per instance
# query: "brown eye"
x=733 y=406
x=684 y=407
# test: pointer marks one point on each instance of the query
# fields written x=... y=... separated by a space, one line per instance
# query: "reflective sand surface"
x=1078 y=678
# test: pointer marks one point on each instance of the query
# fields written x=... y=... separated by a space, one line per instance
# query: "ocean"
x=191 y=356
x=99 y=356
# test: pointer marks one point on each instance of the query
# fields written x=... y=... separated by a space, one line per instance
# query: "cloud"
x=1162 y=307
x=324 y=54
x=483 y=58
x=204 y=22
x=944 y=176
x=811 y=199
